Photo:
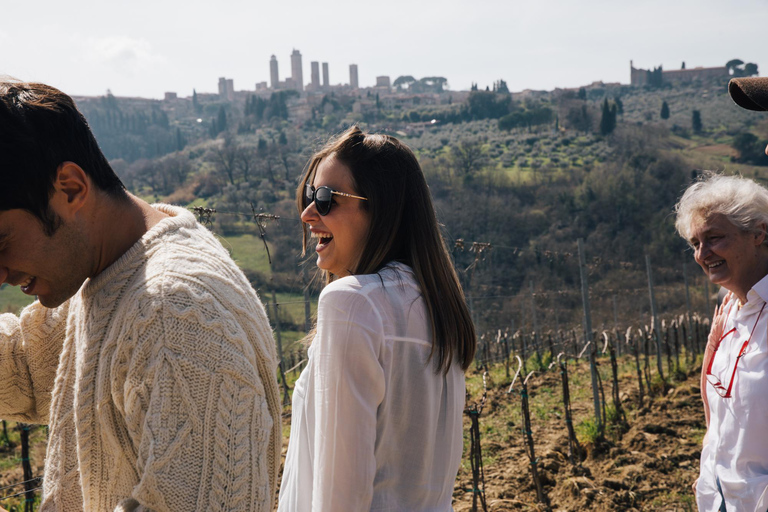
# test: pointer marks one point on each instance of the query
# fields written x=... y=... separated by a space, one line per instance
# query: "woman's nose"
x=309 y=213
x=702 y=251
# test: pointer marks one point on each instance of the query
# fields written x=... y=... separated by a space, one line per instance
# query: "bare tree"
x=468 y=157
x=246 y=160
x=224 y=157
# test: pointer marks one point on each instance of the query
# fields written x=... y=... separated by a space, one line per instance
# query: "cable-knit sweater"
x=157 y=380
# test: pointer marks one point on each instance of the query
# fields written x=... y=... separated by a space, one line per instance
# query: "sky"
x=147 y=47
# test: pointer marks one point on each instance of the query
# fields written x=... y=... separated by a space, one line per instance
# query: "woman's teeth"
x=716 y=264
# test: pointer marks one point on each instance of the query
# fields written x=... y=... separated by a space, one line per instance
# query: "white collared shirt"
x=736 y=452
x=373 y=427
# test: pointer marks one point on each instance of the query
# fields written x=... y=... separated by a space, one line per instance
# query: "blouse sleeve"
x=349 y=388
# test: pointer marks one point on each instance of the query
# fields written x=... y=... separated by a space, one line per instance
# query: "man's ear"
x=72 y=188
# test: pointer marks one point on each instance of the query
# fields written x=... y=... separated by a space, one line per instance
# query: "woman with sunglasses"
x=377 y=413
x=724 y=219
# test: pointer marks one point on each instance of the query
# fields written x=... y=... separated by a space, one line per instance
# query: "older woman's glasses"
x=720 y=389
x=323 y=198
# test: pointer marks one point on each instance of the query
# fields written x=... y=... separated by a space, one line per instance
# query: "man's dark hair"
x=41 y=128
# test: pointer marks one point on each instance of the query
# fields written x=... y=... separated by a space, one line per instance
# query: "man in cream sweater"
x=147 y=353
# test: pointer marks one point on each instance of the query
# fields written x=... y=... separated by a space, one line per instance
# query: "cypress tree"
x=221 y=121
x=696 y=122
x=608 y=118
x=664 y=110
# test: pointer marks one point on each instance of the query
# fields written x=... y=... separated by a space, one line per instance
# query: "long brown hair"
x=403 y=228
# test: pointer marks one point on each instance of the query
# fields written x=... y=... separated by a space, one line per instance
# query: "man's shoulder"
x=189 y=265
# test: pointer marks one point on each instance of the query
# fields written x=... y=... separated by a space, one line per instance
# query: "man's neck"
x=119 y=224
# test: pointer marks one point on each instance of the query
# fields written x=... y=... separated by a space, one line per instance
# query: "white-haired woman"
x=724 y=219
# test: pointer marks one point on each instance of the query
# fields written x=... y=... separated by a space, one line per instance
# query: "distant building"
x=296 y=73
x=353 y=83
x=274 y=77
x=640 y=77
x=315 y=74
x=226 y=89
x=326 y=82
x=170 y=96
x=261 y=86
x=382 y=81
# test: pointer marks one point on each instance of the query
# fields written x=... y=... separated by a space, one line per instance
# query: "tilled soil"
x=650 y=465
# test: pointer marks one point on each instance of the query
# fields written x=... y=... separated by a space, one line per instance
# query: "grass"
x=587 y=431
x=12 y=299
x=248 y=252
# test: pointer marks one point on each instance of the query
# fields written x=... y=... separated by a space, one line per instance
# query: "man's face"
x=53 y=267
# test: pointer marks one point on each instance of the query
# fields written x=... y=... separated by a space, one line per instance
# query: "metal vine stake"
x=475 y=451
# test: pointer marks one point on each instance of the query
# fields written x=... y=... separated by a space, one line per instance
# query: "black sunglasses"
x=323 y=196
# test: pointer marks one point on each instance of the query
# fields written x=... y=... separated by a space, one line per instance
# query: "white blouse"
x=736 y=452
x=373 y=427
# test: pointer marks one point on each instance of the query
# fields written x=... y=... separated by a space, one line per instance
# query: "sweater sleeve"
x=349 y=387
x=197 y=410
x=30 y=346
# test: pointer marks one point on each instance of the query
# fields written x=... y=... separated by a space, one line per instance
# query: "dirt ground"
x=649 y=466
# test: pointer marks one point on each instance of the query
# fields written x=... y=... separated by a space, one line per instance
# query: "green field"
x=12 y=299
x=248 y=251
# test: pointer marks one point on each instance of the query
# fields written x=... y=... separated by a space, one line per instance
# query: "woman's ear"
x=761 y=234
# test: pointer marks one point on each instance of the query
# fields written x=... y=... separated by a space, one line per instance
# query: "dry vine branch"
x=475 y=450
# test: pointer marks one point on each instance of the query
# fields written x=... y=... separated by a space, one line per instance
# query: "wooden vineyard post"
x=636 y=352
x=561 y=342
x=530 y=449
x=688 y=317
x=574 y=449
x=523 y=347
x=29 y=482
x=676 y=333
x=551 y=345
x=593 y=353
x=655 y=317
x=616 y=325
x=536 y=337
x=574 y=343
x=286 y=397
x=647 y=351
x=665 y=328
x=506 y=352
x=6 y=439
x=621 y=418
x=475 y=451
x=588 y=335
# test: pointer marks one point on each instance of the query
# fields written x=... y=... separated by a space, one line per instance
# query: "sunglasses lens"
x=309 y=193
x=323 y=196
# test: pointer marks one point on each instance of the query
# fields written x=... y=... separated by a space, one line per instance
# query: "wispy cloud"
x=123 y=54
